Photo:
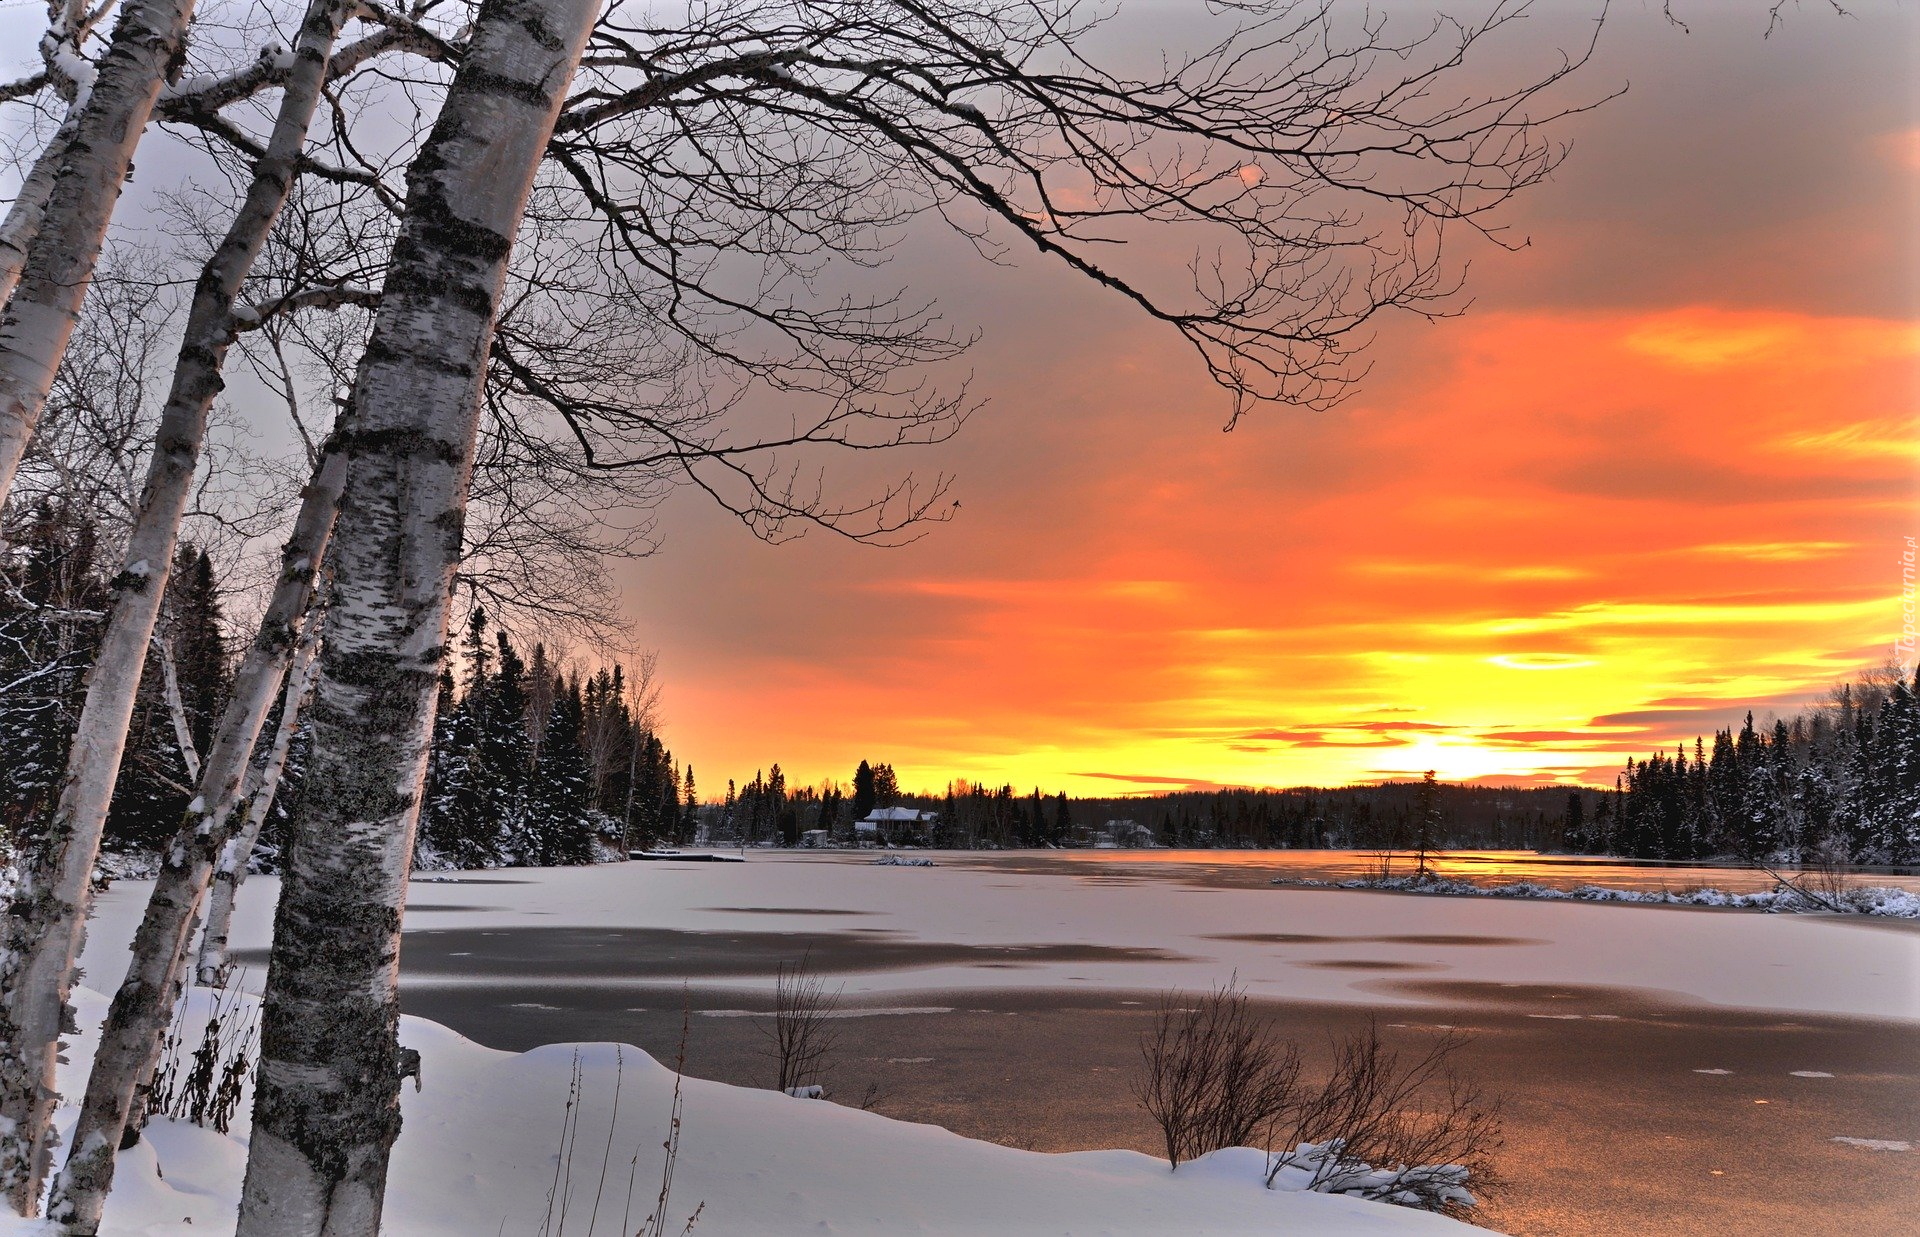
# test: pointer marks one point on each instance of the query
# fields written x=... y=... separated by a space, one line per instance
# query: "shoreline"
x=1873 y=902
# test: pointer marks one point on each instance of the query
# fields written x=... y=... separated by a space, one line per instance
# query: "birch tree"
x=231 y=871
x=92 y=167
x=326 y=1108
x=46 y=918
x=130 y=1039
x=67 y=70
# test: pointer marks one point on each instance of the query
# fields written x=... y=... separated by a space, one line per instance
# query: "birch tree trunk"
x=68 y=27
x=46 y=919
x=147 y=42
x=29 y=208
x=327 y=1100
x=177 y=710
x=231 y=871
x=130 y=1039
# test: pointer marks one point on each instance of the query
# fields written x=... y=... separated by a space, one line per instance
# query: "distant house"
x=888 y=825
x=1123 y=835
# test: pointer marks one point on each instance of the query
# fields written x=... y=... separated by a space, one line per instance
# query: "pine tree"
x=864 y=797
x=556 y=819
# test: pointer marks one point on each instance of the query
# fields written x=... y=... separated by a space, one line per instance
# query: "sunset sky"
x=1660 y=472
x=1662 y=469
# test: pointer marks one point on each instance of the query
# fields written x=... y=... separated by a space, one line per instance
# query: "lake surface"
x=1666 y=1070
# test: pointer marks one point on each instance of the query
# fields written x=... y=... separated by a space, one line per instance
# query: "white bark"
x=46 y=919
x=177 y=710
x=130 y=1039
x=29 y=208
x=326 y=1107
x=231 y=872
x=40 y=316
x=68 y=69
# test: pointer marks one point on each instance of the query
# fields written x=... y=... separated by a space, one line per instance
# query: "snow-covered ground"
x=1297 y=944
x=480 y=1154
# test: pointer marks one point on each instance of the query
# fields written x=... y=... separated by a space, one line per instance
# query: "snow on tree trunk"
x=326 y=1108
x=130 y=1040
x=232 y=868
x=147 y=42
x=46 y=918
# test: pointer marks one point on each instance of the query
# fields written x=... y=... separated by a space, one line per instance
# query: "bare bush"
x=1406 y=1130
x=801 y=1039
x=1826 y=869
x=1216 y=1075
x=206 y=1086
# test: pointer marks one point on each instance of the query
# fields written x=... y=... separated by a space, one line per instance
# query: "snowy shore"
x=1881 y=900
x=481 y=1153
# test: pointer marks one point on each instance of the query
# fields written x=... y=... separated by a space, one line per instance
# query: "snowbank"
x=1866 y=900
x=479 y=1154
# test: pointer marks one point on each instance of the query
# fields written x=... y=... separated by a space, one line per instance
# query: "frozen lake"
x=1668 y=1070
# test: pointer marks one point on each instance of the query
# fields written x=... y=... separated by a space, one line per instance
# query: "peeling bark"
x=130 y=1039
x=231 y=871
x=46 y=919
x=147 y=42
x=326 y=1108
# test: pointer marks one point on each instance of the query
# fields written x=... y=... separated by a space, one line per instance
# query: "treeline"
x=973 y=815
x=1836 y=784
x=53 y=601
x=535 y=766
x=531 y=763
x=768 y=811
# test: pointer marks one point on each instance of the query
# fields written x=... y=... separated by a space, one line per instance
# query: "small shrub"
x=206 y=1087
x=801 y=1040
x=1407 y=1130
x=1215 y=1074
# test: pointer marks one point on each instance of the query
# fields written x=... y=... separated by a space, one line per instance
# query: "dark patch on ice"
x=1552 y=998
x=428 y=908
x=1306 y=938
x=641 y=954
x=781 y=910
x=466 y=880
x=1447 y=939
x=1369 y=964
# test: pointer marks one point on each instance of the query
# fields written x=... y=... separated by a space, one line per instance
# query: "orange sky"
x=1662 y=470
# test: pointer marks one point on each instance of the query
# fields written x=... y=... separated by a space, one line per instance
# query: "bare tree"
x=801 y=1038
x=65 y=70
x=136 y=1021
x=326 y=1108
x=39 y=316
x=707 y=173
